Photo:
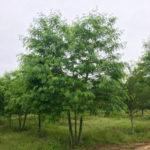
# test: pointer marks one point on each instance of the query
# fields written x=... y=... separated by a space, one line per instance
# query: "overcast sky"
x=16 y=16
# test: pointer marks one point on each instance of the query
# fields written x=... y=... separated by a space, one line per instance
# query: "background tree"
x=142 y=92
x=45 y=45
x=2 y=96
x=143 y=68
x=131 y=98
x=108 y=95
x=7 y=97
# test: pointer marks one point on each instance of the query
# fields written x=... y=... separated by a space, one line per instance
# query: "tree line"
x=74 y=69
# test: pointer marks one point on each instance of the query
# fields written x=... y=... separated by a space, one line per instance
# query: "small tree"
x=144 y=79
x=130 y=97
x=16 y=97
x=142 y=92
x=108 y=94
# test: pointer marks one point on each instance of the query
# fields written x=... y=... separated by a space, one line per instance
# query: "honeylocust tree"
x=93 y=42
x=64 y=62
x=42 y=64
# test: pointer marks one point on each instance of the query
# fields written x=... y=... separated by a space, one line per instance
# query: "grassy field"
x=54 y=136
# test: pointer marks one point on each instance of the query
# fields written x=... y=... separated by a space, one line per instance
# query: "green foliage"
x=2 y=97
x=65 y=61
x=68 y=68
x=143 y=85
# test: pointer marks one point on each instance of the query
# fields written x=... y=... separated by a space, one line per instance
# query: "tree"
x=65 y=61
x=142 y=92
x=6 y=82
x=131 y=97
x=93 y=41
x=16 y=98
x=2 y=91
x=109 y=93
x=43 y=63
x=143 y=89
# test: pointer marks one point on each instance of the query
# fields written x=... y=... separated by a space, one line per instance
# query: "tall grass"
x=54 y=136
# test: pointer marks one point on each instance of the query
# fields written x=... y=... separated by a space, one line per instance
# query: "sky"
x=17 y=15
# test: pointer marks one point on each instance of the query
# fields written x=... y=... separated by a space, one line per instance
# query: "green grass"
x=54 y=136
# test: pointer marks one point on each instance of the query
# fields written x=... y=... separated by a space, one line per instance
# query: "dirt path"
x=136 y=146
x=147 y=147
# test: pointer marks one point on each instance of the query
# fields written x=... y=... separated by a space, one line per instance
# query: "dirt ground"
x=136 y=146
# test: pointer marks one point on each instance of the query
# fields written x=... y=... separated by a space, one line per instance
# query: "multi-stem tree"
x=64 y=62
x=92 y=54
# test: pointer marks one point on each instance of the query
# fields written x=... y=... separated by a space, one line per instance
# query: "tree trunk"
x=9 y=121
x=63 y=119
x=24 y=121
x=19 y=119
x=80 y=130
x=131 y=118
x=75 y=126
x=70 y=128
x=39 y=122
x=142 y=112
